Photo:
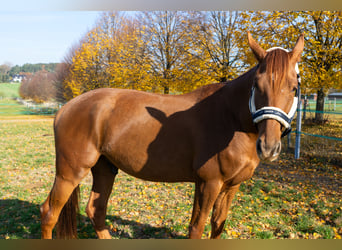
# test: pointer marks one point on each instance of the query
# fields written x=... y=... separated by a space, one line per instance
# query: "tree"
x=4 y=72
x=131 y=65
x=218 y=34
x=38 y=87
x=110 y=55
x=165 y=33
x=63 y=71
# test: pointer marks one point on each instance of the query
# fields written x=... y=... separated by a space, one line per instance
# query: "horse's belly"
x=148 y=154
x=151 y=168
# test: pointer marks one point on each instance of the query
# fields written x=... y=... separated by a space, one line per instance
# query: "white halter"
x=275 y=113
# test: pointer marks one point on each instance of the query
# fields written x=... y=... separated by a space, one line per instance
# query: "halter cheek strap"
x=275 y=113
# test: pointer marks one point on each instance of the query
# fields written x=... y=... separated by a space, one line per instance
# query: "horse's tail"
x=66 y=227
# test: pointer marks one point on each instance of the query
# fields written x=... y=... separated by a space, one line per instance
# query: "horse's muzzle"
x=266 y=151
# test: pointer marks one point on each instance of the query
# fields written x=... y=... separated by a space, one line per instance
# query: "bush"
x=39 y=87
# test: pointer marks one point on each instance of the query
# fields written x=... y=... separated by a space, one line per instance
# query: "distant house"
x=18 y=78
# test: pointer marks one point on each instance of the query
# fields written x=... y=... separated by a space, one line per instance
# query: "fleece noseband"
x=275 y=113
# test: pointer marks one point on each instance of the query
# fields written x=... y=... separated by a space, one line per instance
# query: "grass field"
x=285 y=199
x=9 y=90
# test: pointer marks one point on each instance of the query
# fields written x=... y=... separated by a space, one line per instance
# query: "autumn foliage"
x=176 y=51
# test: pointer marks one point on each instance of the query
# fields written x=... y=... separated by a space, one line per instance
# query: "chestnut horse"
x=210 y=137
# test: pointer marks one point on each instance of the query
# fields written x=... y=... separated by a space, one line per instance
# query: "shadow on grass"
x=130 y=229
x=21 y=220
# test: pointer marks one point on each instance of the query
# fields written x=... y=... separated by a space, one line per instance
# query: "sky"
x=41 y=36
x=42 y=31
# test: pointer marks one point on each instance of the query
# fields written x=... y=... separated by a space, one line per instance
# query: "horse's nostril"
x=278 y=148
x=268 y=152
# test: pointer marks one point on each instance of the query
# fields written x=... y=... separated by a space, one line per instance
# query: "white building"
x=18 y=78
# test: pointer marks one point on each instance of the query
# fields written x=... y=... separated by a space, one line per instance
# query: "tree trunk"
x=166 y=90
x=319 y=106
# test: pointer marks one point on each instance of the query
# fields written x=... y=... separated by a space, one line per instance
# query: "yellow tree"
x=165 y=33
x=131 y=67
x=110 y=55
x=88 y=67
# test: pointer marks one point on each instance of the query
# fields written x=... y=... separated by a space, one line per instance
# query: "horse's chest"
x=238 y=161
x=238 y=168
x=244 y=174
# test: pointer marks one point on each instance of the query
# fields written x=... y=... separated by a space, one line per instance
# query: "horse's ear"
x=298 y=49
x=257 y=50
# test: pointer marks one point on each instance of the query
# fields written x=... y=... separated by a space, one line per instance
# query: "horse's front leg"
x=205 y=196
x=220 y=210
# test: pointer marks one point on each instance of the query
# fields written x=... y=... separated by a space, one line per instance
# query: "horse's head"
x=273 y=99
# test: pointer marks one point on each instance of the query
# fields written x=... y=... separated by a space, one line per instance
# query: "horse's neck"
x=230 y=100
x=236 y=98
x=239 y=89
x=245 y=81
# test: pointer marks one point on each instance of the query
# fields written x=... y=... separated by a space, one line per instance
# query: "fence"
x=47 y=108
x=333 y=112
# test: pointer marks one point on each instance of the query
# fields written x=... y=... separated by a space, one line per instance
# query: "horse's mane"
x=277 y=63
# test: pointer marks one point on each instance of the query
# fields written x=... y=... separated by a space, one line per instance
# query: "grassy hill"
x=9 y=90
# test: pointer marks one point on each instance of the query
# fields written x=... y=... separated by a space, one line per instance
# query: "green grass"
x=328 y=107
x=11 y=108
x=8 y=106
x=9 y=90
x=285 y=199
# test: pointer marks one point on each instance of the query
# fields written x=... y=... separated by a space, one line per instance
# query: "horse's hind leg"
x=103 y=178
x=66 y=182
